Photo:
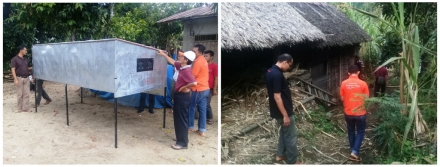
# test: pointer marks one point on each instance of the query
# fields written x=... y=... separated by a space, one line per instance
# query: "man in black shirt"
x=281 y=108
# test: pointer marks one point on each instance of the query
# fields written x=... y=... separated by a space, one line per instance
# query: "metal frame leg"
x=81 y=95
x=35 y=91
x=67 y=105
x=116 y=122
x=165 y=106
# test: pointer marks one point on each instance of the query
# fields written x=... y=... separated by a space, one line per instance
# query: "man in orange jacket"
x=353 y=93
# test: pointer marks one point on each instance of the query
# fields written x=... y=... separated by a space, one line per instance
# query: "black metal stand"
x=164 y=106
x=67 y=105
x=35 y=90
x=81 y=95
x=116 y=122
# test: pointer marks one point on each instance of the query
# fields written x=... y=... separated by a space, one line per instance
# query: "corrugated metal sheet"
x=107 y=65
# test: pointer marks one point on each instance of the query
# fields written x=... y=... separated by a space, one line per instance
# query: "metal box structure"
x=112 y=65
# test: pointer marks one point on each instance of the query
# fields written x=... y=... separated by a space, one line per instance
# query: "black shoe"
x=151 y=111
x=139 y=111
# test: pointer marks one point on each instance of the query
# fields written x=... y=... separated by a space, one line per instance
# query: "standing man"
x=213 y=82
x=353 y=93
x=41 y=92
x=199 y=94
x=281 y=108
x=182 y=98
x=20 y=72
x=151 y=101
x=381 y=81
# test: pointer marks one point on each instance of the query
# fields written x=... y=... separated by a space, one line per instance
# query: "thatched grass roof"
x=203 y=11
x=339 y=30
x=264 y=25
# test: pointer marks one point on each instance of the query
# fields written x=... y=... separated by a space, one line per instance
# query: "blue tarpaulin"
x=133 y=100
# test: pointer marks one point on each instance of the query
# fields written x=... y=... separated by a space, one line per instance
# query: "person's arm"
x=366 y=91
x=187 y=86
x=215 y=86
x=277 y=88
x=215 y=80
x=29 y=68
x=169 y=59
x=14 y=75
x=280 y=105
x=13 y=64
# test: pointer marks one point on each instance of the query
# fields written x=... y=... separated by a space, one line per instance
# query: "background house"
x=200 y=27
x=320 y=38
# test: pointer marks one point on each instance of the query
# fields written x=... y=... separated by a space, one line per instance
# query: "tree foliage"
x=32 y=23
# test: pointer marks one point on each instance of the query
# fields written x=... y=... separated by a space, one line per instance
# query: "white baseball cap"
x=190 y=55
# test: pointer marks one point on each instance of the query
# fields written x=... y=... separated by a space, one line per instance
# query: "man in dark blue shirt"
x=281 y=108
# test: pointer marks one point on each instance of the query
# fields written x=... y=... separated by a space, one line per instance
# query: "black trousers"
x=151 y=100
x=379 y=88
x=41 y=91
x=180 y=114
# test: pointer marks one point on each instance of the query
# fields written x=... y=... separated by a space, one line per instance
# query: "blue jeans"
x=360 y=124
x=200 y=99
x=208 y=105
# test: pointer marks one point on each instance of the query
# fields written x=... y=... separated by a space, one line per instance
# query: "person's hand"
x=161 y=52
x=181 y=89
x=286 y=121
x=33 y=80
x=214 y=92
x=16 y=82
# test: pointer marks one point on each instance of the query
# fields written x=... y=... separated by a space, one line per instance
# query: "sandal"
x=174 y=139
x=177 y=147
x=278 y=158
x=47 y=102
x=200 y=133
x=210 y=122
x=354 y=158
x=28 y=110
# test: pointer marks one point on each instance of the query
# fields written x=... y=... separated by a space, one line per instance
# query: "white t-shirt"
x=176 y=73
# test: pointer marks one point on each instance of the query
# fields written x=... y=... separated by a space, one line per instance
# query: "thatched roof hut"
x=339 y=30
x=266 y=25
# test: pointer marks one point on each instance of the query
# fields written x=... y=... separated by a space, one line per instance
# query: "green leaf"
x=411 y=117
x=71 y=22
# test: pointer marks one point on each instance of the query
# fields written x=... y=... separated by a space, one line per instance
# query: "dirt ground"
x=44 y=137
x=314 y=146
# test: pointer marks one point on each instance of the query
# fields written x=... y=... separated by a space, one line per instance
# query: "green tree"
x=30 y=23
x=138 y=23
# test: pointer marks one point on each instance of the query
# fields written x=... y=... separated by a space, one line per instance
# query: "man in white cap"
x=182 y=99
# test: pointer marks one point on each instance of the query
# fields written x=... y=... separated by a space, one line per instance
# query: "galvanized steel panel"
x=106 y=65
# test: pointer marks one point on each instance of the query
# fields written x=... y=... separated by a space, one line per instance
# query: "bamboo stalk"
x=324 y=154
x=424 y=104
x=329 y=135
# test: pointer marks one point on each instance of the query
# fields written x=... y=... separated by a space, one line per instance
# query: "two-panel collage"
x=219 y=83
